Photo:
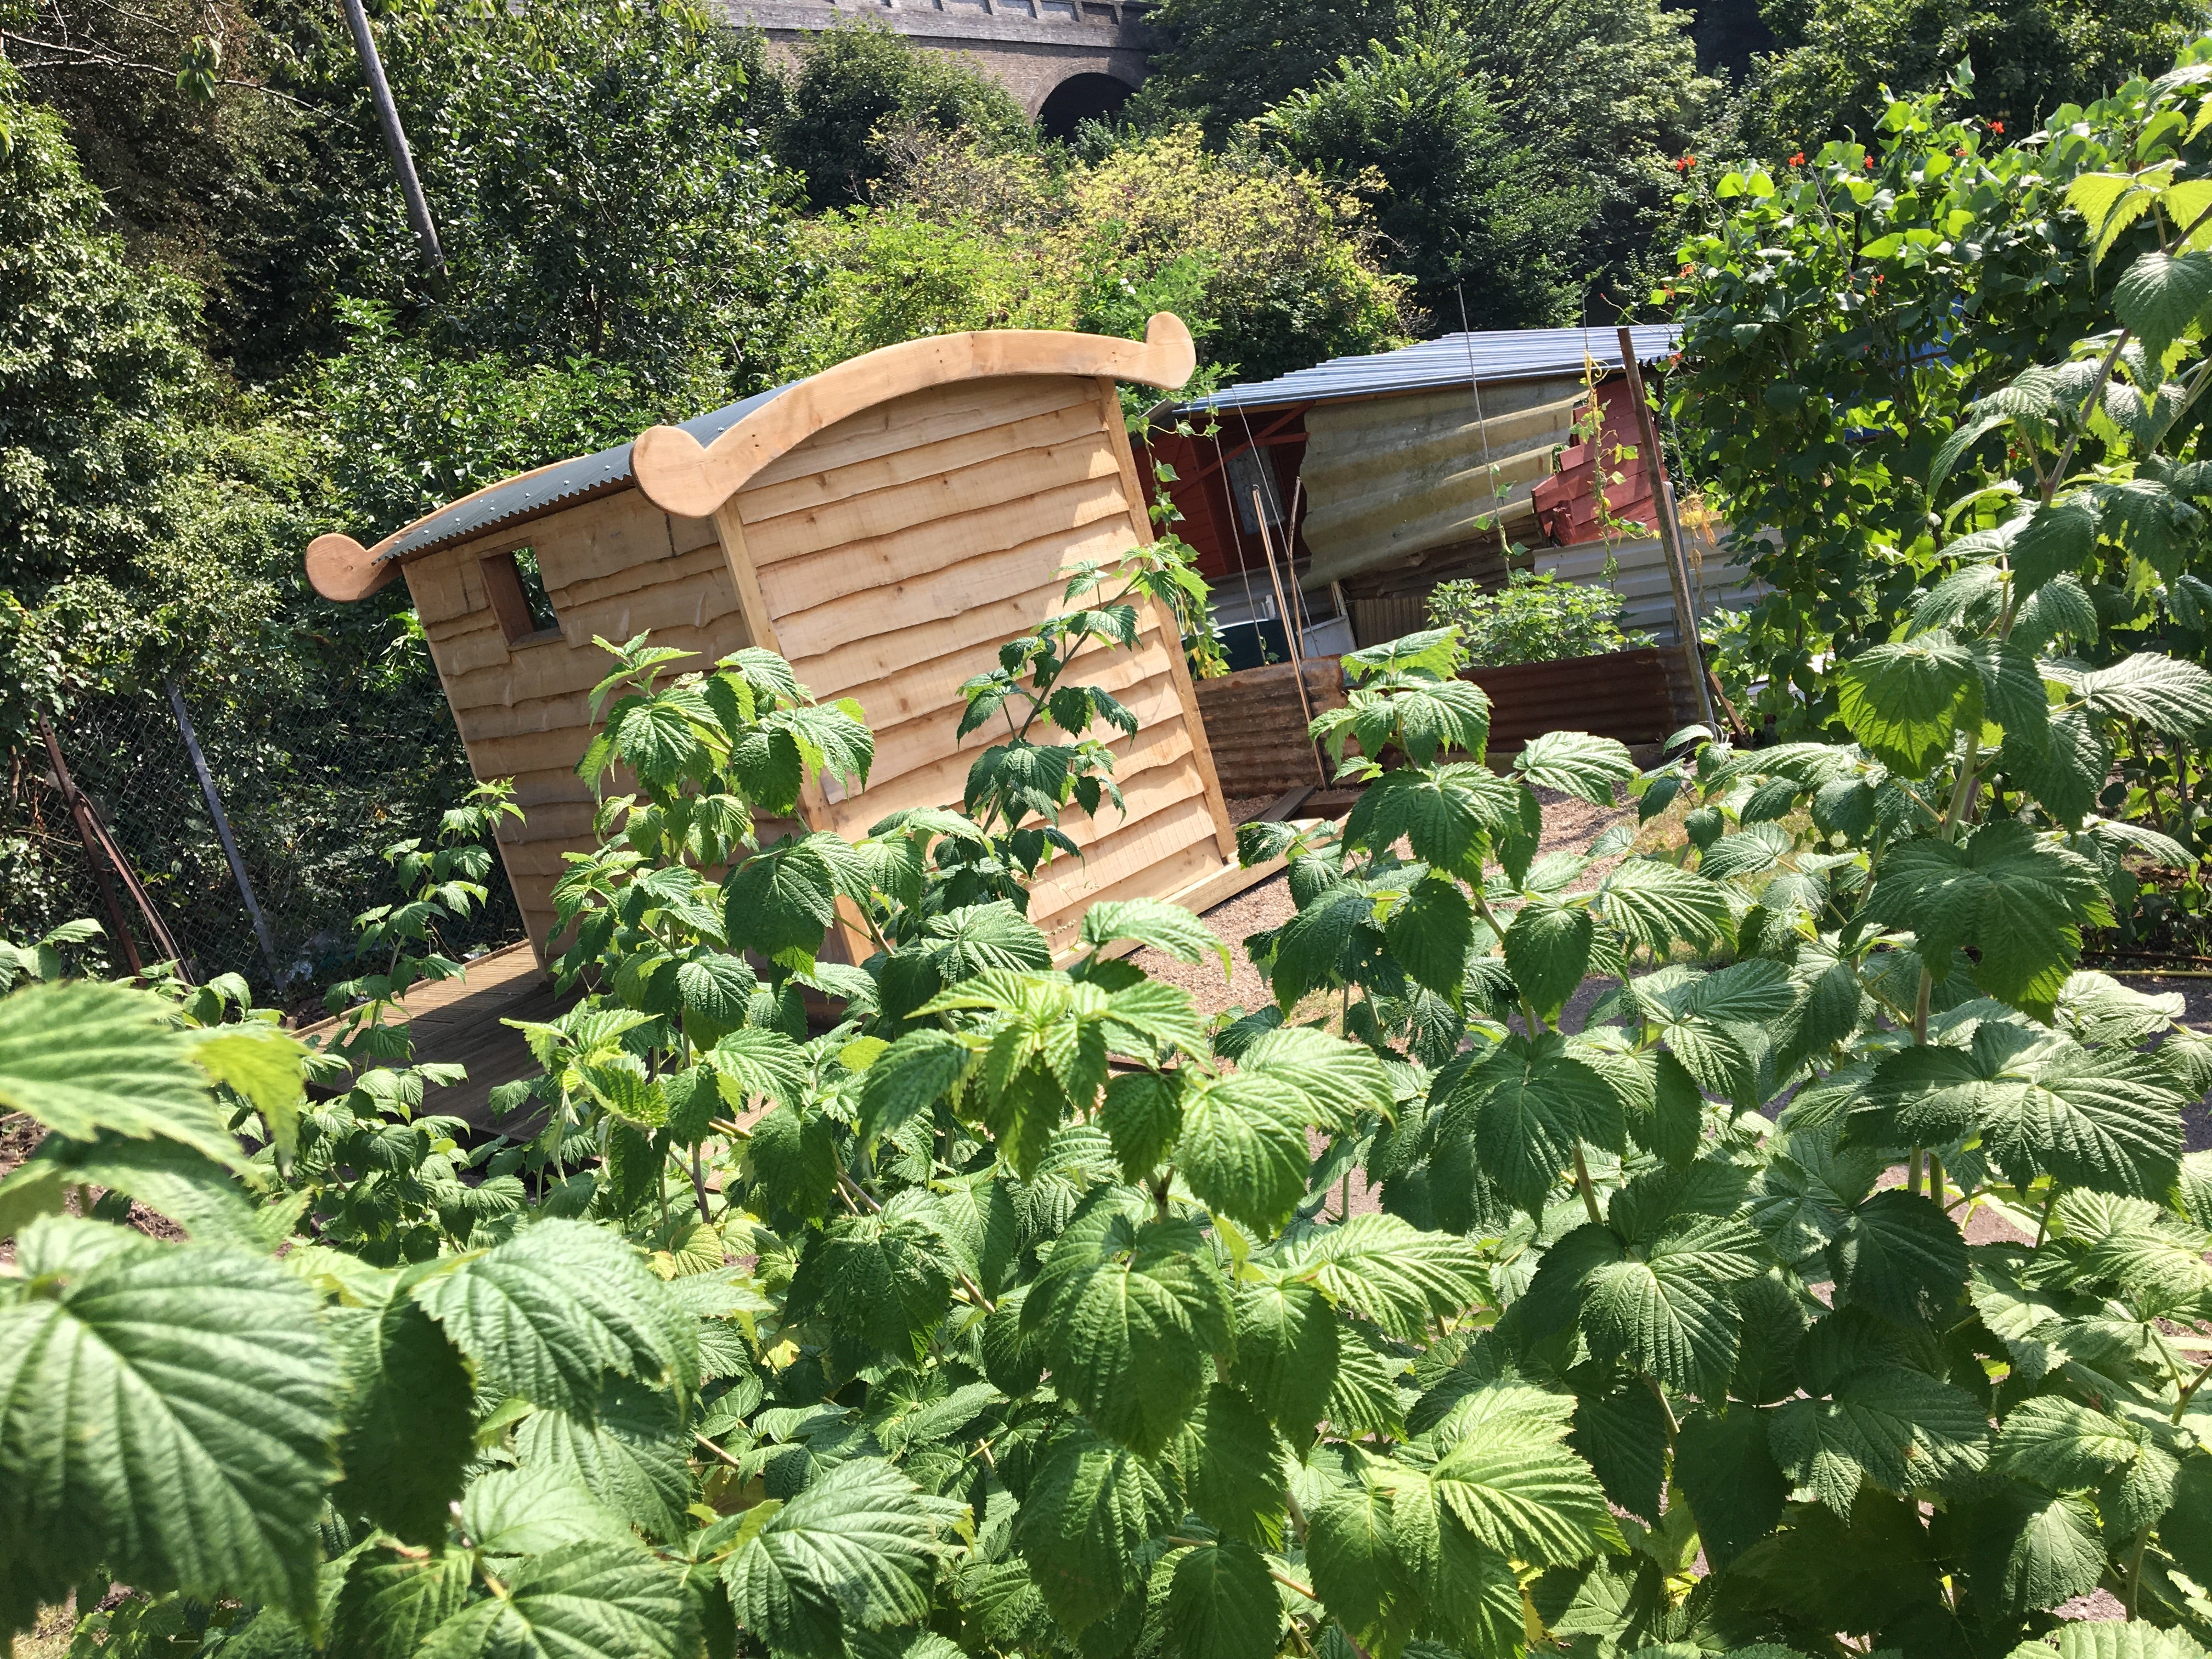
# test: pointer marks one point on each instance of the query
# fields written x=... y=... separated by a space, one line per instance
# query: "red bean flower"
x=1869 y=164
x=1798 y=159
x=1997 y=127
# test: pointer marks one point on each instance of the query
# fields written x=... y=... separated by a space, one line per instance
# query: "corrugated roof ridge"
x=1497 y=355
x=528 y=494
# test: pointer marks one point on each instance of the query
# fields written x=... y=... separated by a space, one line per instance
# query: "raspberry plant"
x=1011 y=1313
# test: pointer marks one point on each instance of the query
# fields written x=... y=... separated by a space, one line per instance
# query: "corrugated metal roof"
x=534 y=493
x=1515 y=354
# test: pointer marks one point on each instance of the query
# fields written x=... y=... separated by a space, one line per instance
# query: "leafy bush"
x=1461 y=189
x=1020 y=1311
x=1580 y=107
x=1010 y=1315
x=859 y=84
x=602 y=187
x=1838 y=61
x=1861 y=328
x=1272 y=268
x=1533 y=618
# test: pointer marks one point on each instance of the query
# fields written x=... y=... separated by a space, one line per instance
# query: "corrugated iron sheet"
x=1388 y=480
x=536 y=493
x=1499 y=355
x=1627 y=696
x=1647 y=596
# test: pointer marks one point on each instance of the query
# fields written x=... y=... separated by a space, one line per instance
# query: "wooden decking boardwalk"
x=459 y=1021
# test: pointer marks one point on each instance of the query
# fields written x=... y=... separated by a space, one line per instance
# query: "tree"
x=1272 y=268
x=232 y=146
x=1538 y=138
x=1616 y=86
x=1858 y=326
x=858 y=84
x=96 y=364
x=602 y=188
x=2029 y=57
x=1466 y=196
x=1223 y=64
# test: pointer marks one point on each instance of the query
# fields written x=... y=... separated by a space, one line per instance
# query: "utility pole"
x=395 y=140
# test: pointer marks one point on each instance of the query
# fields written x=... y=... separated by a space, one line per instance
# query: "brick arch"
x=1084 y=94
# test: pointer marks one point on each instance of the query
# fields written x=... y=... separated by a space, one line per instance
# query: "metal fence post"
x=222 y=826
x=80 y=813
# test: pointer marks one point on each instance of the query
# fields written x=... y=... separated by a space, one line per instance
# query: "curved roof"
x=1511 y=354
x=682 y=475
x=534 y=493
x=691 y=470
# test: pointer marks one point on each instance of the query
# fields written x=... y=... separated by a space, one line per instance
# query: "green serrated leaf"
x=167 y=1412
x=544 y=1314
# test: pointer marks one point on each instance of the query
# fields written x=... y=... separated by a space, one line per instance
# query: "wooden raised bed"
x=1257 y=726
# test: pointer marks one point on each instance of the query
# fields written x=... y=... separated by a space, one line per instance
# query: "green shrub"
x=858 y=85
x=1532 y=618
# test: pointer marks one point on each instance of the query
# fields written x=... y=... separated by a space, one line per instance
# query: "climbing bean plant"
x=973 y=1294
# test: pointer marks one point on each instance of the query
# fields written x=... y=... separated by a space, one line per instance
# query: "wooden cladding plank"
x=1143 y=794
x=489 y=721
x=699 y=563
x=533 y=895
x=927 y=502
x=706 y=603
x=529 y=751
x=849 y=664
x=1019 y=555
x=938 y=777
x=446 y=586
x=685 y=535
x=1143 y=685
x=1179 y=871
x=932 y=414
x=758 y=504
x=595 y=538
x=484 y=647
x=549 y=787
x=928 y=686
x=479 y=621
x=566 y=822
x=556 y=668
x=1122 y=855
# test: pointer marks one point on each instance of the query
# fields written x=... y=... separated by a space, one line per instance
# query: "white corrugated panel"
x=1647 y=598
x=1393 y=476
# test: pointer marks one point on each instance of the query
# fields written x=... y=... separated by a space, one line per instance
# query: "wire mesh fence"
x=310 y=872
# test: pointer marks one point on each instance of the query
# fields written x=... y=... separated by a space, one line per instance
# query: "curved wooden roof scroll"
x=679 y=476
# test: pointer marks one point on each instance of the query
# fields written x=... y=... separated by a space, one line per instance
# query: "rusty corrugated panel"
x=1256 y=725
x=1624 y=696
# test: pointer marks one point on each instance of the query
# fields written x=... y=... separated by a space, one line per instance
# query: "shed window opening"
x=518 y=596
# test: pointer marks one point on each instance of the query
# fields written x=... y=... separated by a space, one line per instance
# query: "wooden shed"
x=885 y=525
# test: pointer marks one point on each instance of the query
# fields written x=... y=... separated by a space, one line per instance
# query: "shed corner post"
x=1140 y=522
x=815 y=809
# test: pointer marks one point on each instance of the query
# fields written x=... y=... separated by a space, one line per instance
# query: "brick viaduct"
x=1063 y=59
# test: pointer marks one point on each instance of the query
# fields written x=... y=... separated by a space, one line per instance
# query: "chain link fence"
x=308 y=848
